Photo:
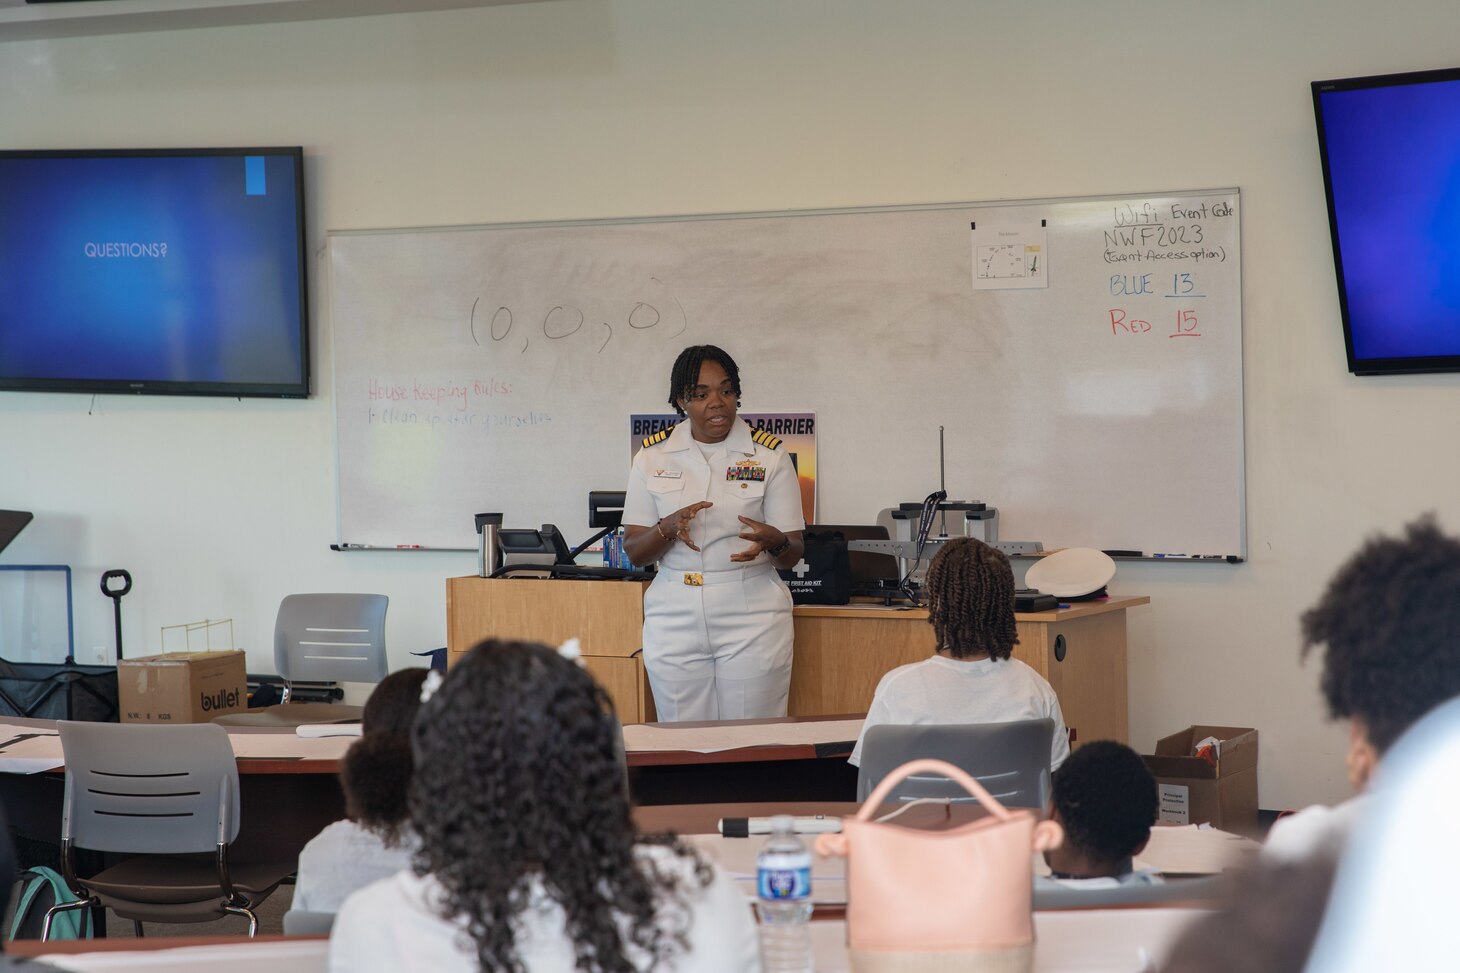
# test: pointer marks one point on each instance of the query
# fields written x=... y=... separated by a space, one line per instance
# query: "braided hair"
x=686 y=373
x=520 y=785
x=376 y=772
x=970 y=596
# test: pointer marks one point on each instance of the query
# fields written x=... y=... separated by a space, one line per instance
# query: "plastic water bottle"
x=783 y=880
x=613 y=551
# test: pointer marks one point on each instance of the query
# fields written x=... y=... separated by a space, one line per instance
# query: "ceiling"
x=20 y=20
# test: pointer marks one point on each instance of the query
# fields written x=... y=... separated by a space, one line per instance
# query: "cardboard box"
x=182 y=687
x=1193 y=791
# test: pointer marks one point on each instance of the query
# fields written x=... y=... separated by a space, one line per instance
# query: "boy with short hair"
x=1105 y=799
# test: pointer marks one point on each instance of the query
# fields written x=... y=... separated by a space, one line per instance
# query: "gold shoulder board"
x=658 y=437
x=765 y=439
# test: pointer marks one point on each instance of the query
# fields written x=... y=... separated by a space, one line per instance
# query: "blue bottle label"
x=784 y=883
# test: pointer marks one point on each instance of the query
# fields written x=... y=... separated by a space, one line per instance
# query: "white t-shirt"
x=344 y=858
x=1143 y=877
x=391 y=926
x=941 y=690
x=1315 y=830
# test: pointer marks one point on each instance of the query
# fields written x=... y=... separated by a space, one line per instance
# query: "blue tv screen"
x=161 y=271
x=1391 y=168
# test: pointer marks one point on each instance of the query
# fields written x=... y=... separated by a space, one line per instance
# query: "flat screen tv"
x=163 y=271
x=1391 y=167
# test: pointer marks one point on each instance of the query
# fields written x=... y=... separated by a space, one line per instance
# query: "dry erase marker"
x=805 y=824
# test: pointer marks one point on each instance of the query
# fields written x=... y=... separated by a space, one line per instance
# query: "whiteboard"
x=494 y=368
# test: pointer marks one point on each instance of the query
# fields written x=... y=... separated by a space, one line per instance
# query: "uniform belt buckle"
x=694 y=579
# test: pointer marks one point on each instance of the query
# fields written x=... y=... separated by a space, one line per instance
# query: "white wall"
x=578 y=109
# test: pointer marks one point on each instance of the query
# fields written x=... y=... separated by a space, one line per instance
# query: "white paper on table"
x=43 y=753
x=641 y=737
x=297 y=956
x=736 y=858
x=285 y=745
x=1194 y=849
x=33 y=756
x=315 y=731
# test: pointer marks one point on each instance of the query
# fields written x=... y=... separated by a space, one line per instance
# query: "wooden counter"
x=607 y=618
x=841 y=651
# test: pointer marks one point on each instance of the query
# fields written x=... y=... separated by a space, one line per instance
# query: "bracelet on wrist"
x=781 y=548
x=659 y=526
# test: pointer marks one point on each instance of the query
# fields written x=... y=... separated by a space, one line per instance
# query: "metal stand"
x=116 y=596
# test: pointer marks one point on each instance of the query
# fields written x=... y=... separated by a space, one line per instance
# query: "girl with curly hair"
x=376 y=841
x=529 y=862
x=971 y=678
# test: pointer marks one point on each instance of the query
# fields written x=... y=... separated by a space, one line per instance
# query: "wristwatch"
x=779 y=549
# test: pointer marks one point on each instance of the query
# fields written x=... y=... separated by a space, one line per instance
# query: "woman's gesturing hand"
x=676 y=525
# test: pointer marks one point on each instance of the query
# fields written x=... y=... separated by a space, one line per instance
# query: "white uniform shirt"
x=1315 y=830
x=393 y=926
x=344 y=858
x=941 y=690
x=750 y=480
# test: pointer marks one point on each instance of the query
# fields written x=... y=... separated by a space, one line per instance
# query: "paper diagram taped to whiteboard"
x=1009 y=257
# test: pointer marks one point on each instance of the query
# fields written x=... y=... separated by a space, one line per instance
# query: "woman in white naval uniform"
x=719 y=507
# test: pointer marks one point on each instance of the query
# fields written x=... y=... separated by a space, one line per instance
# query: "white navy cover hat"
x=1071 y=573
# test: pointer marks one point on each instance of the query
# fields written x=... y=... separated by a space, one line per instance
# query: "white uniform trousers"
x=719 y=649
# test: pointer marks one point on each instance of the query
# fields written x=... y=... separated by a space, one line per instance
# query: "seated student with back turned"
x=376 y=841
x=971 y=678
x=1390 y=625
x=528 y=860
x=1105 y=798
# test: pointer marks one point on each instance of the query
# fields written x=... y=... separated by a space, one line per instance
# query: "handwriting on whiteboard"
x=1142 y=232
x=400 y=418
x=1173 y=236
x=559 y=321
x=1183 y=324
x=434 y=405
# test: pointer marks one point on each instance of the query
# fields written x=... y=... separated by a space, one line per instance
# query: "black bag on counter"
x=823 y=577
x=58 y=692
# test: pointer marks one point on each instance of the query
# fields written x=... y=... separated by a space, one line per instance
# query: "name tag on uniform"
x=745 y=473
x=667 y=474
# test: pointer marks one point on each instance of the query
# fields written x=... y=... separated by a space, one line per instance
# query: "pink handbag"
x=958 y=899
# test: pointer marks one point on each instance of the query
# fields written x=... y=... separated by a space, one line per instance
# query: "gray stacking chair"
x=1011 y=760
x=167 y=795
x=1208 y=890
x=323 y=638
x=305 y=922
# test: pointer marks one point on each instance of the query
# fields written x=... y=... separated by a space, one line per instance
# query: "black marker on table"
x=805 y=824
